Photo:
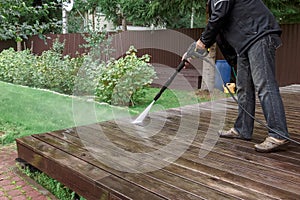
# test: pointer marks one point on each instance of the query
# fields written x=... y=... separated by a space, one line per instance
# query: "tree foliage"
x=22 y=18
x=176 y=13
x=286 y=11
x=170 y=14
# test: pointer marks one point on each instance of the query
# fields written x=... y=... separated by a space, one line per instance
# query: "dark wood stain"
x=230 y=170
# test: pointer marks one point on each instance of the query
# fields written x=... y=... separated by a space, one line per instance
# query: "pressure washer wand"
x=192 y=52
x=142 y=116
x=169 y=81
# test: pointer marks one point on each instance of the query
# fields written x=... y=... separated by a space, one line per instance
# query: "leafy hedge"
x=16 y=67
x=118 y=82
x=122 y=80
x=48 y=71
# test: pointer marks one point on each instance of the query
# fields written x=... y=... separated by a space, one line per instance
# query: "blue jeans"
x=256 y=73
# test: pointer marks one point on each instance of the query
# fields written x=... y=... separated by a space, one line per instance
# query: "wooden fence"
x=167 y=46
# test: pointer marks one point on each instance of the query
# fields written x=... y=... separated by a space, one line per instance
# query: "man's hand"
x=200 y=44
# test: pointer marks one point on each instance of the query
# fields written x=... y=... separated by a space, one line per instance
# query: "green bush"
x=87 y=76
x=121 y=81
x=98 y=49
x=48 y=71
x=55 y=72
x=118 y=82
x=17 y=67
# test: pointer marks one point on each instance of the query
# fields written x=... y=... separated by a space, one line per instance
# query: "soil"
x=215 y=94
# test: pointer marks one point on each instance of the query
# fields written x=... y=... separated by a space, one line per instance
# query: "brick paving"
x=13 y=184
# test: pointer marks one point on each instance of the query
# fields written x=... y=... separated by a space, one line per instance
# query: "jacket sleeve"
x=219 y=10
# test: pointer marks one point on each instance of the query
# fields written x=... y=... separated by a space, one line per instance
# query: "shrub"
x=87 y=76
x=17 y=67
x=98 y=50
x=49 y=71
x=56 y=73
x=120 y=82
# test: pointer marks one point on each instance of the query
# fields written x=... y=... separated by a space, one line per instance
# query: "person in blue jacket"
x=250 y=34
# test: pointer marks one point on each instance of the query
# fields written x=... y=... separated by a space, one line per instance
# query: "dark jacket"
x=240 y=22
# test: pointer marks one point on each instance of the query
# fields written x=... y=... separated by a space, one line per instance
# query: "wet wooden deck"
x=168 y=159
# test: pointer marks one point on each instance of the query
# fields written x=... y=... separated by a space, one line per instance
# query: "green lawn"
x=25 y=111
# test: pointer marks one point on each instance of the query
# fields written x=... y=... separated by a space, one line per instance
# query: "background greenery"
x=83 y=75
x=120 y=82
x=22 y=18
x=171 y=14
x=48 y=71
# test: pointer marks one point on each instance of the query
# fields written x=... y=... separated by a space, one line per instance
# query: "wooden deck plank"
x=194 y=160
x=138 y=178
x=29 y=151
x=221 y=147
x=184 y=187
x=203 y=179
x=115 y=140
x=256 y=171
x=78 y=175
x=231 y=169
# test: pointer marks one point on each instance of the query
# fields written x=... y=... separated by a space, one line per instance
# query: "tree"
x=80 y=13
x=285 y=11
x=20 y=19
x=172 y=14
x=176 y=13
x=66 y=8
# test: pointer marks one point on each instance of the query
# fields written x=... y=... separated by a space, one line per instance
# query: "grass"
x=56 y=188
x=25 y=111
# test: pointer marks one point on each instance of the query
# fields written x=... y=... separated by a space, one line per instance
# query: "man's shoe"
x=271 y=144
x=232 y=133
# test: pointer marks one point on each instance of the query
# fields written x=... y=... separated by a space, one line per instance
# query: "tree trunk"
x=94 y=20
x=86 y=20
x=192 y=17
x=124 y=24
x=19 y=46
x=208 y=72
x=64 y=21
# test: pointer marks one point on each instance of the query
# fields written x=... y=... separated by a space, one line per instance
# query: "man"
x=249 y=28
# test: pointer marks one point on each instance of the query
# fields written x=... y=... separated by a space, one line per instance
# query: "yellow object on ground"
x=231 y=87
